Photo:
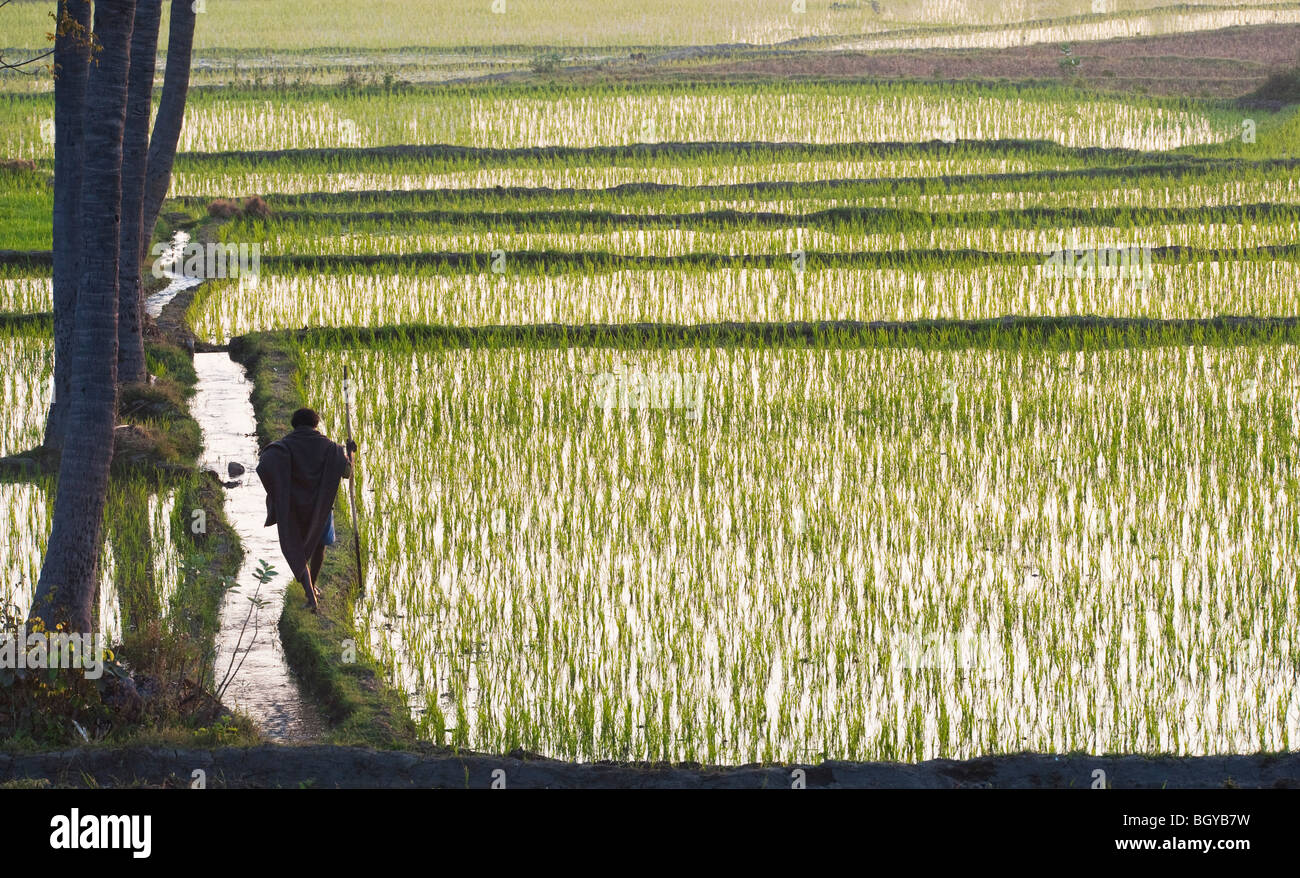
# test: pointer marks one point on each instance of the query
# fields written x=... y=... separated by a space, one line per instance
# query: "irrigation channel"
x=248 y=643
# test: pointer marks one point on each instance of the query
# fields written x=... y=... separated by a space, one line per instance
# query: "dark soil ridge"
x=675 y=149
x=34 y=321
x=27 y=258
x=1046 y=333
x=568 y=261
x=355 y=767
x=886 y=219
x=926 y=30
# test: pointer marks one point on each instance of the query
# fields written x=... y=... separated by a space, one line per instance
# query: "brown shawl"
x=301 y=475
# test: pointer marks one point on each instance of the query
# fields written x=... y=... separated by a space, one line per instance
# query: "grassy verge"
x=325 y=649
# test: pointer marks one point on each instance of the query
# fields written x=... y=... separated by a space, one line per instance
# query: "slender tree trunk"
x=171 y=115
x=135 y=148
x=71 y=63
x=69 y=574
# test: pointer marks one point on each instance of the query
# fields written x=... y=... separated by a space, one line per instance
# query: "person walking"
x=301 y=474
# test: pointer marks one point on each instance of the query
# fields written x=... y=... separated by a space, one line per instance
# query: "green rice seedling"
x=608 y=115
x=693 y=296
x=25 y=389
x=873 y=553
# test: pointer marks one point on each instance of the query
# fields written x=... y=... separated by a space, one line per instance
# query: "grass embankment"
x=361 y=706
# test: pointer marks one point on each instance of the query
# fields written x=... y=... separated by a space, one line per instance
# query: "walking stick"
x=352 y=482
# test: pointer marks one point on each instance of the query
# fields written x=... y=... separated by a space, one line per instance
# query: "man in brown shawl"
x=301 y=475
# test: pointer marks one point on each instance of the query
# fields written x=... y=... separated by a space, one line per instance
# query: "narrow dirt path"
x=263 y=686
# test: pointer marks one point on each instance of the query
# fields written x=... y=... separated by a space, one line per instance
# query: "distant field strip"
x=1156 y=183
x=1166 y=21
x=588 y=25
x=825 y=115
x=805 y=113
x=683 y=241
x=291 y=301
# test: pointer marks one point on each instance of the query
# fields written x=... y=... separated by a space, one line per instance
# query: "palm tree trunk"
x=171 y=115
x=69 y=573
x=71 y=63
x=135 y=148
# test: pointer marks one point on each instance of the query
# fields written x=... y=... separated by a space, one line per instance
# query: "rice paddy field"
x=634 y=547
x=139 y=539
x=689 y=427
x=746 y=553
x=226 y=121
x=587 y=24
